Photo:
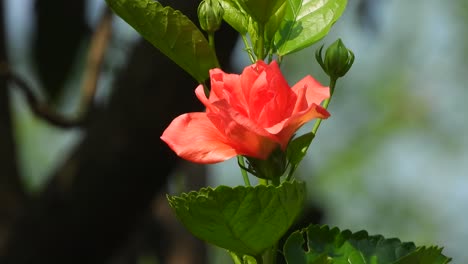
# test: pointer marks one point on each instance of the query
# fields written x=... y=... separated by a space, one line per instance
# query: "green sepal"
x=242 y=259
x=297 y=148
x=244 y=220
x=171 y=32
x=306 y=22
x=354 y=248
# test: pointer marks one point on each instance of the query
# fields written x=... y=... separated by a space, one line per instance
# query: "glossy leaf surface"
x=306 y=22
x=344 y=247
x=171 y=32
x=244 y=220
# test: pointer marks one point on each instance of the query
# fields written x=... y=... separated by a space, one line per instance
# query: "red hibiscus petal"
x=282 y=104
x=200 y=93
x=228 y=87
x=315 y=92
x=302 y=113
x=287 y=129
x=269 y=95
x=193 y=137
x=249 y=76
x=245 y=136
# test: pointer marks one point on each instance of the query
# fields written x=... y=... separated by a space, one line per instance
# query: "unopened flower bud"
x=210 y=15
x=338 y=59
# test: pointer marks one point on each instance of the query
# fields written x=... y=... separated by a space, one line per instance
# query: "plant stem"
x=332 y=86
x=316 y=125
x=275 y=181
x=291 y=173
x=248 y=49
x=245 y=176
x=325 y=105
x=211 y=40
x=261 y=41
x=269 y=256
x=259 y=260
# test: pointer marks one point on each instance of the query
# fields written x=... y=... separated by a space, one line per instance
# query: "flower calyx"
x=210 y=15
x=270 y=169
x=338 y=59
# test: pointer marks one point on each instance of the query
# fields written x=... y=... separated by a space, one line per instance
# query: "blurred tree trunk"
x=100 y=195
x=60 y=31
x=11 y=192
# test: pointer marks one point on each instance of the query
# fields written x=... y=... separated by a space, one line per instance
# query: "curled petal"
x=315 y=92
x=193 y=137
x=227 y=86
x=245 y=136
x=200 y=93
x=288 y=128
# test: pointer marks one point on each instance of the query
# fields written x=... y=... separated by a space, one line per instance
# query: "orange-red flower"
x=249 y=114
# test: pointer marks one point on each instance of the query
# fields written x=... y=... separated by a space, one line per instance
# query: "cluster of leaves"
x=327 y=246
x=252 y=220
x=294 y=25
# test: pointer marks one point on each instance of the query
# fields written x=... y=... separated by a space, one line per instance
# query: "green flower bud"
x=271 y=168
x=210 y=15
x=338 y=59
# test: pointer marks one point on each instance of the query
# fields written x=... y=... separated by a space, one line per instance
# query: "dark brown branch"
x=41 y=110
x=99 y=44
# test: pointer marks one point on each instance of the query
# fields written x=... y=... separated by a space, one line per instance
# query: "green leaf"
x=297 y=148
x=235 y=16
x=244 y=220
x=274 y=23
x=171 y=32
x=261 y=10
x=425 y=255
x=344 y=247
x=306 y=22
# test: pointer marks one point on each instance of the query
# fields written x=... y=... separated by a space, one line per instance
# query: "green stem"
x=248 y=49
x=316 y=125
x=332 y=85
x=245 y=176
x=211 y=40
x=259 y=260
x=325 y=105
x=276 y=181
x=291 y=173
x=261 y=41
x=269 y=256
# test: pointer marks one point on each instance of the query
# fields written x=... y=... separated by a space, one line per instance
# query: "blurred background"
x=392 y=159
